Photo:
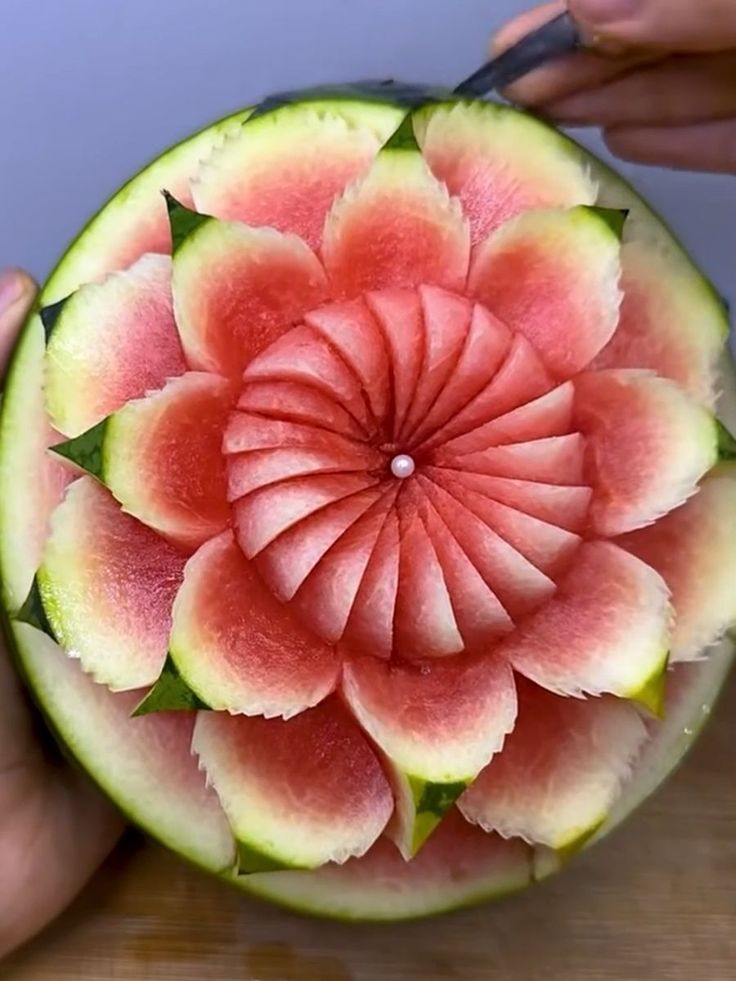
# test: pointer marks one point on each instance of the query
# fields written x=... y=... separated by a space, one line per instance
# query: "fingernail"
x=605 y=11
x=12 y=288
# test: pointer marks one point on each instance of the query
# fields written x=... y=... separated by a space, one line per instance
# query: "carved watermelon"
x=366 y=523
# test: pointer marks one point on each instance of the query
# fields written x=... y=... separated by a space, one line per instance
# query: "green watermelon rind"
x=690 y=715
x=65 y=737
x=63 y=280
x=673 y=745
x=60 y=283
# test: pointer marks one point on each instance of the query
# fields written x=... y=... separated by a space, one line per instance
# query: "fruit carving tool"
x=557 y=37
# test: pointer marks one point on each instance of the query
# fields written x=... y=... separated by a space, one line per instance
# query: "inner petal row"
x=405 y=474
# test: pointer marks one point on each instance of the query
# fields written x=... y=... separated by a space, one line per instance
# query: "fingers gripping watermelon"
x=375 y=500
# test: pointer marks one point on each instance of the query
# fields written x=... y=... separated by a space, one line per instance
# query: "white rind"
x=87 y=259
x=170 y=802
x=261 y=821
x=447 y=760
x=610 y=733
x=25 y=464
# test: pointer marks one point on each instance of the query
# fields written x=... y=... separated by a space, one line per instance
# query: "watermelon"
x=367 y=500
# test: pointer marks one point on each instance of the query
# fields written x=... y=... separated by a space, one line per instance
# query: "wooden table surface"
x=654 y=902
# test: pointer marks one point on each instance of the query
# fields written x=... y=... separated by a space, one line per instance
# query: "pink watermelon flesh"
x=236 y=647
x=515 y=581
x=270 y=460
x=553 y=276
x=265 y=451
x=483 y=159
x=440 y=720
x=662 y=325
x=270 y=280
x=288 y=560
x=108 y=583
x=396 y=227
x=548 y=415
x=399 y=316
x=370 y=625
x=438 y=723
x=86 y=380
x=352 y=330
x=696 y=569
x=424 y=621
x=480 y=616
x=333 y=805
x=288 y=183
x=605 y=629
x=163 y=460
x=251 y=471
x=561 y=769
x=446 y=319
x=520 y=378
x=305 y=357
x=548 y=547
x=486 y=345
x=293 y=402
x=554 y=460
x=254 y=432
x=648 y=446
x=327 y=597
x=262 y=516
x=566 y=507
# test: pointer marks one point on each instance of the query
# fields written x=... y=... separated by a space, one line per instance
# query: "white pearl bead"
x=402 y=466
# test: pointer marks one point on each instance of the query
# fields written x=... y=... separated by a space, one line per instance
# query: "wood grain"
x=655 y=902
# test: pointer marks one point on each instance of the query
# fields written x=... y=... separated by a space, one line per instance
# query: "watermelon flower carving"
x=387 y=463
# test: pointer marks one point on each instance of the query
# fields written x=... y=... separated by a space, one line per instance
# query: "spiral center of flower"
x=341 y=411
x=402 y=466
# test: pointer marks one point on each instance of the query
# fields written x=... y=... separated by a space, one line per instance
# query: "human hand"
x=55 y=828
x=659 y=78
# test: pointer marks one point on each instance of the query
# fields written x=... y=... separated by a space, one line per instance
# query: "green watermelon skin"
x=345 y=892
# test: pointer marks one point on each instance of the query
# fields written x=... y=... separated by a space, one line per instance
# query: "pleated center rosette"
x=383 y=469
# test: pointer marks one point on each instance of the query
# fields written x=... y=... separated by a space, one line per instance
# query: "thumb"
x=17 y=291
x=670 y=25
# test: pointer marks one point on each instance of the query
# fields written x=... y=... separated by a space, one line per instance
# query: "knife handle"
x=557 y=37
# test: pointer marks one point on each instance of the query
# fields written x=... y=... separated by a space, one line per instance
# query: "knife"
x=557 y=37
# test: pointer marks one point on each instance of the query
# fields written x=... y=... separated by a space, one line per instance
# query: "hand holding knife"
x=557 y=37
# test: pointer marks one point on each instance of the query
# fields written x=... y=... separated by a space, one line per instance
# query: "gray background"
x=91 y=89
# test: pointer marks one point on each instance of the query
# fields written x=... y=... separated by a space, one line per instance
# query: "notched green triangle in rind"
x=49 y=316
x=431 y=802
x=404 y=137
x=435 y=798
x=726 y=443
x=252 y=861
x=653 y=693
x=183 y=221
x=615 y=218
x=571 y=848
x=85 y=450
x=549 y=859
x=169 y=694
x=33 y=613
